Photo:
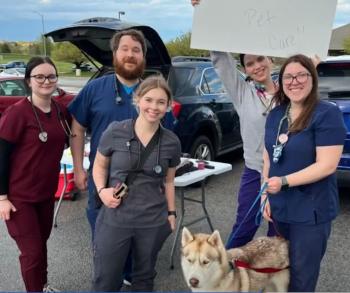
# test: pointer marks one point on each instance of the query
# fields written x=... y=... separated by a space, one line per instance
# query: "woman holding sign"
x=252 y=101
x=303 y=194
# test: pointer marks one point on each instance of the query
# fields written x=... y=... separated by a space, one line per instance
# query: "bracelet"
x=99 y=191
x=172 y=213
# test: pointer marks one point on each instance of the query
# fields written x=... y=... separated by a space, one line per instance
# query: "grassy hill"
x=64 y=68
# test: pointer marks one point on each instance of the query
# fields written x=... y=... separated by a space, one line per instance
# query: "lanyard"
x=143 y=155
x=281 y=138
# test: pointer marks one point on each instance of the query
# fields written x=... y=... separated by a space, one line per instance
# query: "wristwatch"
x=285 y=184
x=172 y=213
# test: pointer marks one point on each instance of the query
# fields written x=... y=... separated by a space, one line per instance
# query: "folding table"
x=185 y=180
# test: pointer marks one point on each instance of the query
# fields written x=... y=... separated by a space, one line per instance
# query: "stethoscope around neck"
x=118 y=98
x=260 y=91
x=43 y=136
x=281 y=138
x=117 y=85
x=157 y=168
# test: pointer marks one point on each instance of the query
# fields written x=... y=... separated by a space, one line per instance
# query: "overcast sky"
x=20 y=19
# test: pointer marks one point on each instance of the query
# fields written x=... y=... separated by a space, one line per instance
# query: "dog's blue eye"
x=190 y=260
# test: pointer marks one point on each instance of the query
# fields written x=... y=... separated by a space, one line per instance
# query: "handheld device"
x=120 y=190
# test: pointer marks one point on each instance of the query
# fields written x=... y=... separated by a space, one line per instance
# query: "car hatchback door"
x=221 y=104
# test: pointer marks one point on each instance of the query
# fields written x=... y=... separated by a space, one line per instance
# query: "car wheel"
x=202 y=149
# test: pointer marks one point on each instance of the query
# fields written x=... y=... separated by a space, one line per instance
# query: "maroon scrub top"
x=34 y=165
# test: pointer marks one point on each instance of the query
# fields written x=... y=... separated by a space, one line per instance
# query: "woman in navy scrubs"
x=303 y=144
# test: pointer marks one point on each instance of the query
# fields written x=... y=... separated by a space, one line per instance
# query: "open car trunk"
x=92 y=37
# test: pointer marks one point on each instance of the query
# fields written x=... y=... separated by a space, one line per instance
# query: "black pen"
x=209 y=166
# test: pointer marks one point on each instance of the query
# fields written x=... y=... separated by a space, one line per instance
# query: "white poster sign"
x=264 y=27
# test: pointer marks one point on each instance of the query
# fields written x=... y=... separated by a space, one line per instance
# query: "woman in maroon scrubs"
x=33 y=133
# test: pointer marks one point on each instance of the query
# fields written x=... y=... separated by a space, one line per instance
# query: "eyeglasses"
x=40 y=78
x=300 y=78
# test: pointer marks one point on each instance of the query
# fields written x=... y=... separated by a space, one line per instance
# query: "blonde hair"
x=150 y=83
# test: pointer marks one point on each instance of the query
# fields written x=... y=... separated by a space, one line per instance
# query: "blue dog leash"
x=260 y=213
x=258 y=217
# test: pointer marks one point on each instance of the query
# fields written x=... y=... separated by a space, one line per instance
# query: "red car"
x=12 y=90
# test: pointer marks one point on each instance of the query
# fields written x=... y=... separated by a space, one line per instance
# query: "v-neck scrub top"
x=310 y=203
x=34 y=165
x=146 y=203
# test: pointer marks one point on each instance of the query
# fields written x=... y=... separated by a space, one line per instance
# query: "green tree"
x=34 y=49
x=16 y=48
x=67 y=52
x=40 y=45
x=346 y=45
x=5 y=48
x=49 y=44
x=180 y=46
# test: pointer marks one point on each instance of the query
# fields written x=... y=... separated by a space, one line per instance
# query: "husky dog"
x=207 y=266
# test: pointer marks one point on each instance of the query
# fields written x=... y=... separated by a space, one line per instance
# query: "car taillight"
x=176 y=107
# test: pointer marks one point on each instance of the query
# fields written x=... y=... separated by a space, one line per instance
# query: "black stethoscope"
x=118 y=98
x=117 y=85
x=157 y=168
x=268 y=105
x=43 y=136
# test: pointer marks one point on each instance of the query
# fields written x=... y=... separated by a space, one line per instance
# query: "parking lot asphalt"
x=70 y=260
x=72 y=84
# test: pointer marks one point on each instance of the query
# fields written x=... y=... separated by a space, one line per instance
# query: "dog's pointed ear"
x=215 y=239
x=187 y=237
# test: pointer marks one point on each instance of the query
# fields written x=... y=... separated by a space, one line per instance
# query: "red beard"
x=120 y=69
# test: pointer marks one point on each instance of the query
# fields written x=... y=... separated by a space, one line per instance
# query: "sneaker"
x=49 y=288
x=126 y=282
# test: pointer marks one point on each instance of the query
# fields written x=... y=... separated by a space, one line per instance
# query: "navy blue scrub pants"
x=111 y=247
x=248 y=191
x=307 y=246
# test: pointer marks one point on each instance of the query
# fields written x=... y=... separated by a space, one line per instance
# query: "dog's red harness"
x=242 y=264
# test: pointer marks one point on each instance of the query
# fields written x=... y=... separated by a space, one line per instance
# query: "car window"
x=179 y=78
x=334 y=69
x=10 y=71
x=13 y=88
x=211 y=83
x=21 y=70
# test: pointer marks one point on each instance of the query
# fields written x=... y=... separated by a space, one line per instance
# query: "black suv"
x=334 y=85
x=207 y=124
